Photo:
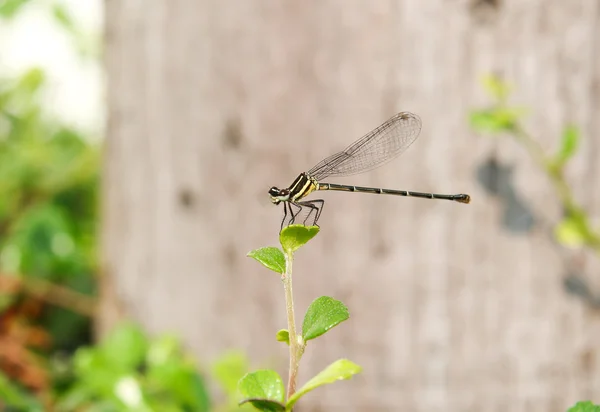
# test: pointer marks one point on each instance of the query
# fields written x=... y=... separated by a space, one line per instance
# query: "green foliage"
x=586 y=406
x=270 y=257
x=264 y=390
x=496 y=120
x=572 y=231
x=323 y=314
x=48 y=188
x=338 y=370
x=10 y=8
x=49 y=175
x=227 y=371
x=499 y=117
x=63 y=17
x=126 y=347
x=13 y=396
x=85 y=43
x=283 y=335
x=569 y=145
x=575 y=229
x=294 y=237
x=49 y=178
x=128 y=371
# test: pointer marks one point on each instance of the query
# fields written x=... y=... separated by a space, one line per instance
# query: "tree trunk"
x=211 y=103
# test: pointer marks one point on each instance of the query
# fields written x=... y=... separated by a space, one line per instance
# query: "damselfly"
x=372 y=150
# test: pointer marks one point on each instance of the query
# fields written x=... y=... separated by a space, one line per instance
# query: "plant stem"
x=295 y=346
x=560 y=184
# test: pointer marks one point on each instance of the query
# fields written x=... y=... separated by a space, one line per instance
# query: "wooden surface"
x=213 y=102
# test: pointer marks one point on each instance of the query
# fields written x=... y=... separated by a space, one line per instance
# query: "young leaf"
x=323 y=314
x=265 y=405
x=295 y=236
x=496 y=120
x=228 y=369
x=570 y=232
x=283 y=336
x=32 y=80
x=584 y=406
x=484 y=121
x=508 y=116
x=125 y=347
x=263 y=389
x=270 y=257
x=9 y=8
x=338 y=370
x=63 y=17
x=569 y=143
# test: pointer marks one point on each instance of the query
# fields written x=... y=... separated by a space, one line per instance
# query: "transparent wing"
x=372 y=150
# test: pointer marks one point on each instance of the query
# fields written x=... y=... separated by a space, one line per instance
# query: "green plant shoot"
x=264 y=389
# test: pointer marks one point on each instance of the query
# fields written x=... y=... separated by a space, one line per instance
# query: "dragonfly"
x=373 y=150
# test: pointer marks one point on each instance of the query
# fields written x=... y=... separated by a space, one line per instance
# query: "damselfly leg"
x=307 y=212
x=314 y=209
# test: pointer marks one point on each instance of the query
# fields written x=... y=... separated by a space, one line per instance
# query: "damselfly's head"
x=279 y=195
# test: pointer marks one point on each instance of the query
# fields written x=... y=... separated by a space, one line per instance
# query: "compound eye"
x=274 y=191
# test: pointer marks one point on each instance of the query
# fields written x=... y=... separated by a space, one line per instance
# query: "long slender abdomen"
x=462 y=198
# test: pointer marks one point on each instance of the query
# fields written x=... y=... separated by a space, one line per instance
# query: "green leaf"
x=293 y=237
x=94 y=372
x=265 y=405
x=163 y=350
x=323 y=314
x=9 y=8
x=173 y=377
x=496 y=120
x=584 y=406
x=570 y=232
x=569 y=144
x=264 y=389
x=270 y=257
x=63 y=17
x=338 y=370
x=283 y=336
x=14 y=396
x=484 y=121
x=125 y=348
x=229 y=369
x=32 y=80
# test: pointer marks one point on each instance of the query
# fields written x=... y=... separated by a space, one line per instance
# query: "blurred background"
x=138 y=140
